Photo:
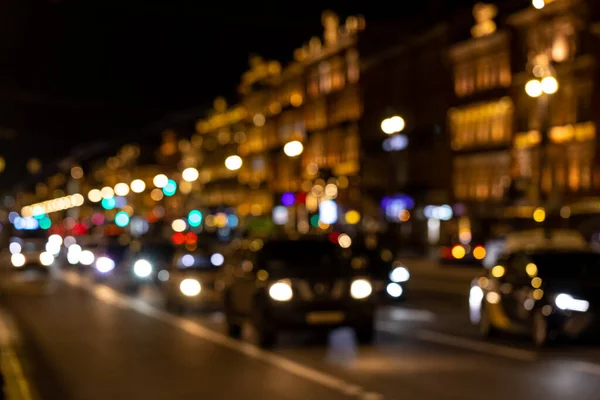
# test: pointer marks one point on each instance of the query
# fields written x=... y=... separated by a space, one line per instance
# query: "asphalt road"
x=91 y=342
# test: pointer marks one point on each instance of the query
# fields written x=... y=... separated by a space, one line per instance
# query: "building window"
x=482 y=74
x=353 y=65
x=325 y=77
x=312 y=86
x=338 y=77
x=481 y=125
x=481 y=177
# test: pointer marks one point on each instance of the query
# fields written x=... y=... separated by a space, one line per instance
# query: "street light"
x=233 y=163
x=190 y=174
x=392 y=125
x=549 y=85
x=160 y=181
x=533 y=88
x=293 y=149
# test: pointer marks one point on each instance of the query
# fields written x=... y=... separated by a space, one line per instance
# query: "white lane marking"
x=9 y=360
x=195 y=329
x=587 y=367
x=407 y=314
x=474 y=345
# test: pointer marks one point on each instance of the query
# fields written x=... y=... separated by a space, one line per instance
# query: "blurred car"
x=389 y=276
x=194 y=280
x=29 y=261
x=545 y=289
x=303 y=284
x=108 y=262
x=462 y=254
x=143 y=260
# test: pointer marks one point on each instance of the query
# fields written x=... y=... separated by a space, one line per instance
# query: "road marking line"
x=115 y=298
x=11 y=360
x=474 y=345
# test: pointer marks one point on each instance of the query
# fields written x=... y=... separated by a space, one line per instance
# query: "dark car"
x=144 y=260
x=108 y=261
x=388 y=276
x=545 y=293
x=194 y=279
x=303 y=284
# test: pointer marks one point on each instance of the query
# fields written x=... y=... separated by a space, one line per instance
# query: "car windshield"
x=115 y=252
x=197 y=260
x=569 y=266
x=157 y=251
x=31 y=246
x=301 y=255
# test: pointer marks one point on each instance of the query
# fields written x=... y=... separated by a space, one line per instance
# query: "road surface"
x=92 y=342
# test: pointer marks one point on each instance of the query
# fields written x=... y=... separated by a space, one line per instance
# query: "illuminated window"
x=325 y=77
x=482 y=124
x=353 y=65
x=338 y=76
x=481 y=177
x=312 y=87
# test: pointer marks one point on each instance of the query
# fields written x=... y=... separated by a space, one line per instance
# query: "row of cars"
x=277 y=285
x=543 y=283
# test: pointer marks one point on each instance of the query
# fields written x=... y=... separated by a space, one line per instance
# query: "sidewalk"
x=16 y=386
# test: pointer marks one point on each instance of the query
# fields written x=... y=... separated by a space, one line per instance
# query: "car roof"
x=546 y=240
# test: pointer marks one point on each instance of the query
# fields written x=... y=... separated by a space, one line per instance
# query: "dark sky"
x=81 y=71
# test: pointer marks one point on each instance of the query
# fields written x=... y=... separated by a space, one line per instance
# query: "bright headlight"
x=18 y=260
x=190 y=287
x=142 y=268
x=475 y=296
x=86 y=257
x=361 y=289
x=105 y=264
x=567 y=302
x=399 y=274
x=394 y=290
x=281 y=291
x=46 y=258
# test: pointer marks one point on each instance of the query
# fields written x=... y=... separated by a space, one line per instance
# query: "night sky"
x=81 y=72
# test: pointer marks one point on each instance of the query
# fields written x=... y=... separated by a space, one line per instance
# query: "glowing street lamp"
x=190 y=174
x=293 y=149
x=533 y=88
x=392 y=125
x=233 y=163
x=549 y=85
x=160 y=181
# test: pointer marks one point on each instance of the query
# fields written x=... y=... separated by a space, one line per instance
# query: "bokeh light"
x=179 y=225
x=190 y=174
x=138 y=186
x=122 y=219
x=195 y=218
x=170 y=188
x=160 y=181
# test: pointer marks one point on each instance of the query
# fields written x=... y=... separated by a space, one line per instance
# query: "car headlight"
x=46 y=258
x=86 y=257
x=281 y=291
x=394 y=290
x=105 y=264
x=567 y=302
x=399 y=274
x=18 y=260
x=190 y=287
x=142 y=268
x=361 y=289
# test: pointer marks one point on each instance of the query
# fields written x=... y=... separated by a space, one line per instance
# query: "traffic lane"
x=98 y=349
x=409 y=356
x=449 y=314
x=412 y=358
